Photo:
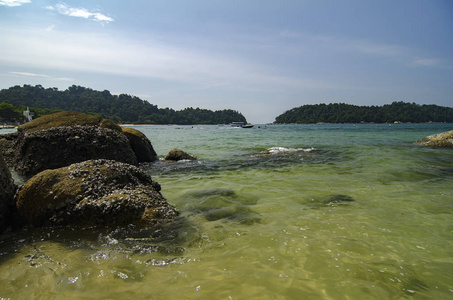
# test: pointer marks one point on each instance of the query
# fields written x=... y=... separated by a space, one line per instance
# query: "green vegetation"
x=13 y=113
x=346 y=113
x=119 y=108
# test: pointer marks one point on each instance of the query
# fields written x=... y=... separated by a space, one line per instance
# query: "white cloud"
x=376 y=49
x=12 y=3
x=106 y=54
x=66 y=10
x=27 y=74
x=426 y=62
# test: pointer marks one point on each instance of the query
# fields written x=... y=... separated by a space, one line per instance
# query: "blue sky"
x=258 y=57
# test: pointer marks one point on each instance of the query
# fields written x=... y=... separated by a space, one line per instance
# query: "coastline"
x=136 y=125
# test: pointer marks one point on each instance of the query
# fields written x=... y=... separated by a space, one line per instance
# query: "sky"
x=258 y=57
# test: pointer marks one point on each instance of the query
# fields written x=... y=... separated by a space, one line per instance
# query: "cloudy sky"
x=259 y=57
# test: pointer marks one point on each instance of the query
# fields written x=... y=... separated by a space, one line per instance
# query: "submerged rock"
x=444 y=139
x=141 y=145
x=7 y=192
x=177 y=154
x=95 y=192
x=216 y=204
x=338 y=199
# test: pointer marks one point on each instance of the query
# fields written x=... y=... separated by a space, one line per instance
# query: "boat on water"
x=242 y=125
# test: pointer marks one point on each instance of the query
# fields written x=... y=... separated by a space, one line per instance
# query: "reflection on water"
x=311 y=212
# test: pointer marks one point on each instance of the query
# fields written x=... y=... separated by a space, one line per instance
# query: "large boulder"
x=7 y=192
x=140 y=144
x=61 y=146
x=95 y=192
x=176 y=154
x=444 y=139
x=64 y=138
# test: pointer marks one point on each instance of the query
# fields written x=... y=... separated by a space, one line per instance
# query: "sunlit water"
x=273 y=212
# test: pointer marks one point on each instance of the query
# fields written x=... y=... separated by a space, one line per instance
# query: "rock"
x=177 y=154
x=333 y=199
x=64 y=138
x=8 y=147
x=7 y=192
x=67 y=118
x=95 y=192
x=444 y=139
x=222 y=204
x=61 y=146
x=140 y=144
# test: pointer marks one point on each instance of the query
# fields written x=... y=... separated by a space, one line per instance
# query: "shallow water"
x=275 y=212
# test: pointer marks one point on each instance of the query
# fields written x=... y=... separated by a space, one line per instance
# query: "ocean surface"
x=271 y=212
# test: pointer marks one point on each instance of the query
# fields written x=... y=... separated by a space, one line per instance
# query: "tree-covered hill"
x=346 y=113
x=121 y=108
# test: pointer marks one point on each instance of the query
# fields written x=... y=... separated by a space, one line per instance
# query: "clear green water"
x=337 y=212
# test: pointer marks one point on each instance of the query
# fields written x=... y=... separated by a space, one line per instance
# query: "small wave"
x=279 y=150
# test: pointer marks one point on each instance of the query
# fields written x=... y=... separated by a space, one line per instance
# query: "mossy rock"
x=176 y=154
x=444 y=139
x=67 y=118
x=140 y=144
x=95 y=192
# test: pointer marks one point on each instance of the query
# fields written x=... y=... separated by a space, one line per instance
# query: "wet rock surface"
x=177 y=155
x=7 y=192
x=444 y=139
x=95 y=192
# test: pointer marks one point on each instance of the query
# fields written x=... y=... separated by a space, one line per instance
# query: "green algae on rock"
x=67 y=118
x=177 y=155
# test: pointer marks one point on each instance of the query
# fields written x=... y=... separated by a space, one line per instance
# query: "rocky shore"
x=79 y=170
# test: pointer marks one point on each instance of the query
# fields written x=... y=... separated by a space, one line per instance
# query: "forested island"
x=121 y=108
x=347 y=113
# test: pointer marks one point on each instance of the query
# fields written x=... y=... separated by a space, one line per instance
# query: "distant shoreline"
x=129 y=125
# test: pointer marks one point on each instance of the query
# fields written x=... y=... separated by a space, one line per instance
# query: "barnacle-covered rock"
x=95 y=192
x=444 y=139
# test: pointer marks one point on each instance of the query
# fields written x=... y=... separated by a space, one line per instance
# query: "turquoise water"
x=272 y=212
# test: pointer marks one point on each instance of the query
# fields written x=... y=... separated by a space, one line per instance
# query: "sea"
x=326 y=211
